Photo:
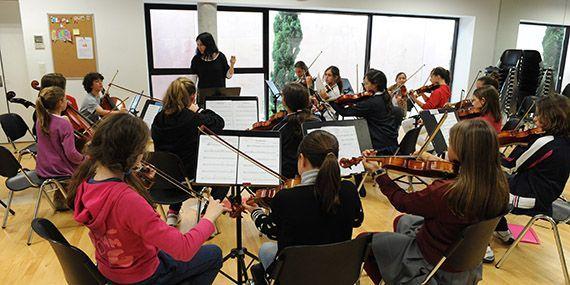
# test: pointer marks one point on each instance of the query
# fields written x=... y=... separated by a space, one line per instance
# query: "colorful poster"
x=63 y=35
x=84 y=46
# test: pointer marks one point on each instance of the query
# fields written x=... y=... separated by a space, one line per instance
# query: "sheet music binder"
x=232 y=123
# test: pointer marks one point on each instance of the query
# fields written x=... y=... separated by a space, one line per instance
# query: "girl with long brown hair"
x=57 y=156
x=175 y=130
x=487 y=99
x=322 y=209
x=436 y=215
x=132 y=244
x=296 y=103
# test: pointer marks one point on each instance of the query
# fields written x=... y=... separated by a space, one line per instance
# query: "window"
x=160 y=83
x=173 y=48
x=241 y=34
x=340 y=37
x=252 y=84
x=549 y=41
x=403 y=44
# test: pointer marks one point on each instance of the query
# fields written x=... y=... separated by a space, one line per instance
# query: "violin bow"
x=111 y=83
x=134 y=92
x=433 y=134
x=188 y=190
x=525 y=115
x=473 y=83
x=205 y=130
x=405 y=81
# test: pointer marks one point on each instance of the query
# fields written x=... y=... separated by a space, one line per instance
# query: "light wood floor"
x=37 y=264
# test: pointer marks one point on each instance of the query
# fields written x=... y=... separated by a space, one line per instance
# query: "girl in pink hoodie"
x=133 y=245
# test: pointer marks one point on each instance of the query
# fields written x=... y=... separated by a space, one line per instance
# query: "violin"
x=108 y=102
x=408 y=164
x=268 y=125
x=82 y=126
x=349 y=99
x=263 y=197
x=519 y=137
x=426 y=89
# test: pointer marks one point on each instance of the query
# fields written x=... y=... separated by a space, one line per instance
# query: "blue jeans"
x=201 y=269
x=267 y=253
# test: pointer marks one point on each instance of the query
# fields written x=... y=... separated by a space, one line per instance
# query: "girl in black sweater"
x=175 y=130
x=321 y=210
x=541 y=169
x=296 y=102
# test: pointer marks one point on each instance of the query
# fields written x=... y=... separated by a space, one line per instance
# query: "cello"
x=110 y=103
x=82 y=126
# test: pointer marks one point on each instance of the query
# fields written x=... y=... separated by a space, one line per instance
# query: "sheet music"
x=446 y=127
x=216 y=163
x=237 y=114
x=348 y=145
x=150 y=113
x=266 y=151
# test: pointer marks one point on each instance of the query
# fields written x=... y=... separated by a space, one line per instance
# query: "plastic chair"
x=19 y=178
x=560 y=215
x=76 y=265
x=468 y=251
x=162 y=192
x=15 y=128
x=339 y=263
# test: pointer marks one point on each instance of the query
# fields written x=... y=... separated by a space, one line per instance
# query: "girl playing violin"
x=175 y=130
x=399 y=98
x=57 y=156
x=487 y=100
x=132 y=244
x=436 y=215
x=303 y=75
x=383 y=119
x=333 y=88
x=91 y=104
x=540 y=170
x=321 y=210
x=441 y=78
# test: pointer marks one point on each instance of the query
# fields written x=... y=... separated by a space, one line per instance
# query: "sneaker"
x=504 y=236
x=173 y=218
x=489 y=255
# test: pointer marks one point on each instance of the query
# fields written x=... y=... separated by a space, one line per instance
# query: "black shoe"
x=362 y=192
x=258 y=274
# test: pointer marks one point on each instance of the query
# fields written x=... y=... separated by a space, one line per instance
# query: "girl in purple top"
x=57 y=156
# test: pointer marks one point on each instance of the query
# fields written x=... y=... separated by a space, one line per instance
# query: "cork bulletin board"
x=72 y=38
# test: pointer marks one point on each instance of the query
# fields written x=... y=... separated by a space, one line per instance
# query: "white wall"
x=120 y=40
x=14 y=61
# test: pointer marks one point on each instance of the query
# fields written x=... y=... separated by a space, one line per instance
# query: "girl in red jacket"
x=439 y=96
x=132 y=243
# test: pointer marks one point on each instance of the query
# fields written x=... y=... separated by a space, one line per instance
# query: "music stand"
x=346 y=86
x=149 y=111
x=430 y=123
x=216 y=91
x=134 y=104
x=239 y=113
x=276 y=93
x=236 y=172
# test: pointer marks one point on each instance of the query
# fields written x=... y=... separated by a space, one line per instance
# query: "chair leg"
x=519 y=238
x=36 y=210
x=10 y=197
x=560 y=249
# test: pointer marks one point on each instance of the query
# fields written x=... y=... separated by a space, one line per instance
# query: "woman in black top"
x=210 y=64
x=321 y=210
x=296 y=102
x=383 y=119
x=175 y=129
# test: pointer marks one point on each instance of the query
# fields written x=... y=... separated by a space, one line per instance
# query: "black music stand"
x=216 y=92
x=236 y=188
x=430 y=123
x=276 y=93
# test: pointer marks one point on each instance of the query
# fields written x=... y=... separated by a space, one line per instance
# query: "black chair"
x=76 y=265
x=566 y=91
x=15 y=128
x=19 y=178
x=339 y=263
x=560 y=215
x=163 y=192
x=468 y=251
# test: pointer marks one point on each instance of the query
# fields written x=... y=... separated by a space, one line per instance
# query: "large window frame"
x=267 y=49
x=560 y=78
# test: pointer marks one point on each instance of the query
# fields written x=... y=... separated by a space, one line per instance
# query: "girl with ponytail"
x=321 y=210
x=440 y=96
x=132 y=243
x=383 y=119
x=57 y=156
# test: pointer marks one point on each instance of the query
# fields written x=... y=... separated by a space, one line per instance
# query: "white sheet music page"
x=348 y=146
x=151 y=112
x=266 y=151
x=446 y=127
x=238 y=114
x=216 y=163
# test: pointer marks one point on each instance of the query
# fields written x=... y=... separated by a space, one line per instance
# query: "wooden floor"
x=37 y=264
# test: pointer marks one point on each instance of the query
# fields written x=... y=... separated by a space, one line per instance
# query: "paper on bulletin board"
x=84 y=47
